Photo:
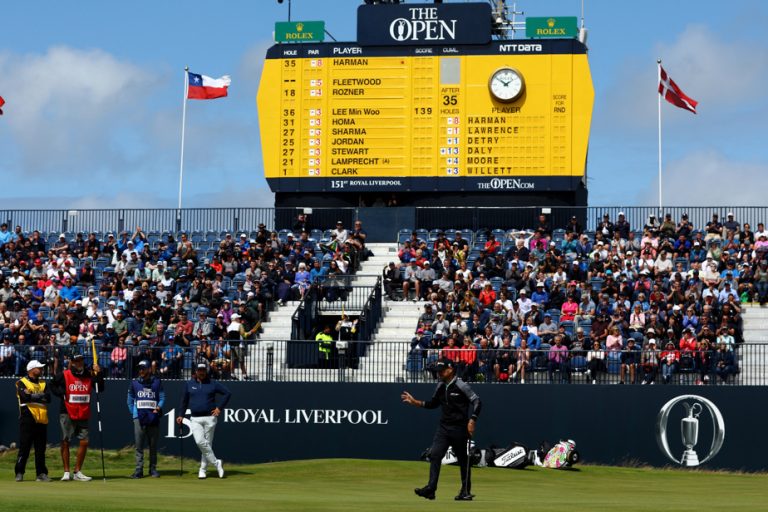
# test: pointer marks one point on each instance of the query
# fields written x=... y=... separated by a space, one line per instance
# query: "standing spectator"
x=146 y=398
x=200 y=398
x=33 y=396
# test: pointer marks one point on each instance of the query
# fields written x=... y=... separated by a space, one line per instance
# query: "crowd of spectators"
x=643 y=302
x=173 y=299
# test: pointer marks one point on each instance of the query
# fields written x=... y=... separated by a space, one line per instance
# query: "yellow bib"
x=39 y=411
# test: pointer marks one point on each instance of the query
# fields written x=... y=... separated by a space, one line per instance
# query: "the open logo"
x=694 y=406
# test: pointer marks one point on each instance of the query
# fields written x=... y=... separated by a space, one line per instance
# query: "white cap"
x=621 y=213
x=539 y=284
x=235 y=316
x=730 y=214
x=34 y=364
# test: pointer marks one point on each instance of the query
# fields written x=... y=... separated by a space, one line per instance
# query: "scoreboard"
x=508 y=115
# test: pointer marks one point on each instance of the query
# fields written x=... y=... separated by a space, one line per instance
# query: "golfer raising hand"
x=457 y=425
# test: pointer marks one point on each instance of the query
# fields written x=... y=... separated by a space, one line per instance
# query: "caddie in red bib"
x=74 y=386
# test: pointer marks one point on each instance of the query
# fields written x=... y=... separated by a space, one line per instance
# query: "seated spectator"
x=630 y=360
x=569 y=310
x=117 y=359
x=171 y=358
x=558 y=360
x=595 y=363
x=669 y=361
x=650 y=362
x=522 y=361
x=724 y=363
x=547 y=329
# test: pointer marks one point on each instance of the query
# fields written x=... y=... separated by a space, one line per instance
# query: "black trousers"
x=456 y=437
x=32 y=434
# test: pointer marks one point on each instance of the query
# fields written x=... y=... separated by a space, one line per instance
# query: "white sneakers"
x=80 y=477
x=77 y=476
x=202 y=473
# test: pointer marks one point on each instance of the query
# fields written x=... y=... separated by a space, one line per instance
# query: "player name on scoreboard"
x=344 y=111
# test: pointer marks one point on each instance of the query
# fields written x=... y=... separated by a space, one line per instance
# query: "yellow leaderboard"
x=511 y=115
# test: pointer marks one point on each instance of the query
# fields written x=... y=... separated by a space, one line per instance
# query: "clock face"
x=506 y=85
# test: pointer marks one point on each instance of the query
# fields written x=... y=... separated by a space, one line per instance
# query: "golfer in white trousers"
x=200 y=398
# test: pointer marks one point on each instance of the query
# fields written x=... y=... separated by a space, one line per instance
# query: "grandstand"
x=486 y=289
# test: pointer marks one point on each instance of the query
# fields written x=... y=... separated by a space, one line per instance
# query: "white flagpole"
x=183 y=125
x=658 y=62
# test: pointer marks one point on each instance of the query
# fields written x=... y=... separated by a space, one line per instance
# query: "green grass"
x=355 y=485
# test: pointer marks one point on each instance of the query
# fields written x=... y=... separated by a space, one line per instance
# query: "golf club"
x=469 y=463
x=181 y=449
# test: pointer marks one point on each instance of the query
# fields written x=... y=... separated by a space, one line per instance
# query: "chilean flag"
x=203 y=87
x=2 y=102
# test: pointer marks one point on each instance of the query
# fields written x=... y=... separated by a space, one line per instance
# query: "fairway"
x=377 y=486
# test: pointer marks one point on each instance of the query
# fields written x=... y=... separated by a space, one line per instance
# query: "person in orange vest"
x=34 y=397
x=74 y=386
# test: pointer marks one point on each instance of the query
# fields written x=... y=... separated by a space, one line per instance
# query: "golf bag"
x=514 y=456
x=561 y=456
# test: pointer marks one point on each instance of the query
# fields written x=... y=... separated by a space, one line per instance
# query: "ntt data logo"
x=423 y=25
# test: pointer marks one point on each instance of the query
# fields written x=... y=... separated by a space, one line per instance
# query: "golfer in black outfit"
x=457 y=425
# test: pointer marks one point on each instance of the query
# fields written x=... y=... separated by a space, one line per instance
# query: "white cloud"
x=708 y=178
x=66 y=106
x=720 y=74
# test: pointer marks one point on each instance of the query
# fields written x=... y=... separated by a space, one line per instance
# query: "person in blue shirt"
x=540 y=296
x=200 y=399
x=172 y=356
x=533 y=340
x=69 y=292
x=146 y=398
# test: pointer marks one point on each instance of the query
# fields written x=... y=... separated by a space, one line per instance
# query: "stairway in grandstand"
x=389 y=351
x=754 y=362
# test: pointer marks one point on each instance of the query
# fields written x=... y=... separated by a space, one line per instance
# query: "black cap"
x=444 y=363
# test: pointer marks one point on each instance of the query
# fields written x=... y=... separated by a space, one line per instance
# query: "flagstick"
x=183 y=125
x=658 y=62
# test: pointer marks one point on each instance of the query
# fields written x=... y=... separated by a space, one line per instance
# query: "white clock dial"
x=506 y=85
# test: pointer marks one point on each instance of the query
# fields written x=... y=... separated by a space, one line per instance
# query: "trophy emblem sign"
x=695 y=406
x=689 y=429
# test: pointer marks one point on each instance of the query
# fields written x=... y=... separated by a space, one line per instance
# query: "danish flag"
x=672 y=93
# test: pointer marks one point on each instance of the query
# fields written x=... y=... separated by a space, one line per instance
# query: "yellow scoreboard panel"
x=511 y=115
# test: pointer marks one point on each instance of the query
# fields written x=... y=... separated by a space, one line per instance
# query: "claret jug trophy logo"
x=697 y=409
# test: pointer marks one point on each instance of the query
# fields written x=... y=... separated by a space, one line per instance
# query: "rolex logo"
x=551 y=22
x=299 y=27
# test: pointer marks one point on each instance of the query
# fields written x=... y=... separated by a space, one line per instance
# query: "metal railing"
x=248 y=219
x=383 y=361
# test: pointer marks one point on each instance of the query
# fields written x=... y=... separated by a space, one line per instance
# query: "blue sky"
x=94 y=94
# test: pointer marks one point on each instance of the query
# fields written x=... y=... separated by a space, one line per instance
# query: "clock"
x=506 y=85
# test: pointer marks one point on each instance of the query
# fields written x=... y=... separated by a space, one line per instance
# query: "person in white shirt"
x=341 y=233
x=524 y=302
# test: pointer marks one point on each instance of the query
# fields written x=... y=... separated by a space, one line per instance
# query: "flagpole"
x=658 y=63
x=183 y=125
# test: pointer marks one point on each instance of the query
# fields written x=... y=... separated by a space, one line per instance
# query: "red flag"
x=2 y=102
x=672 y=93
